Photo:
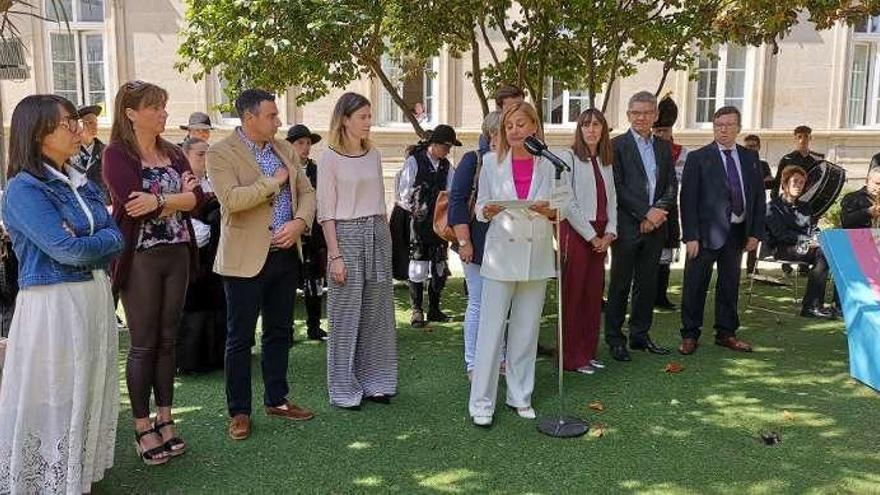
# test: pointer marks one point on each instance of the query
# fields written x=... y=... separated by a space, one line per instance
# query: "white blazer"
x=519 y=243
x=581 y=210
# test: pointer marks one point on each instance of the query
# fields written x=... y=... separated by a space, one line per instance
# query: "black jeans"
x=272 y=293
x=815 y=294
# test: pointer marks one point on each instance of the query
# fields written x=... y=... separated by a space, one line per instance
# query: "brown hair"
x=137 y=95
x=803 y=129
x=34 y=118
x=789 y=172
x=580 y=148
x=502 y=147
x=728 y=110
x=507 y=91
x=346 y=105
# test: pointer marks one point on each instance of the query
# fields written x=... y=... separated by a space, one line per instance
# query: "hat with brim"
x=443 y=134
x=89 y=110
x=300 y=131
x=198 y=121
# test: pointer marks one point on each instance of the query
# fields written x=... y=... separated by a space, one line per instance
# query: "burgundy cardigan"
x=122 y=174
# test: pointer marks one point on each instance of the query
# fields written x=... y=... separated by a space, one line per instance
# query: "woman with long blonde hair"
x=362 y=349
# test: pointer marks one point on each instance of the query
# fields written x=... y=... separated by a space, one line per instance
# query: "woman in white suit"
x=517 y=261
x=589 y=228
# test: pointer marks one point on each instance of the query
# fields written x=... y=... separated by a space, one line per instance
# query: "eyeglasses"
x=635 y=113
x=725 y=126
x=70 y=123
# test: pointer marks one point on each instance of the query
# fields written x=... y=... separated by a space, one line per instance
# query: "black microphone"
x=538 y=148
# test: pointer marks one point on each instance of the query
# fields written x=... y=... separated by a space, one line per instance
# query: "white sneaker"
x=483 y=420
x=586 y=370
x=526 y=412
x=595 y=363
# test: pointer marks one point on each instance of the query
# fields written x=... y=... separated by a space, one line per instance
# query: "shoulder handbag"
x=441 y=208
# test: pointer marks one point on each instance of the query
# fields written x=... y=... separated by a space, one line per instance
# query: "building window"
x=563 y=106
x=77 y=52
x=721 y=81
x=419 y=90
x=225 y=107
x=863 y=103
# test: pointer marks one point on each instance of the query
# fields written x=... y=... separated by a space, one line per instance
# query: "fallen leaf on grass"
x=771 y=438
x=597 y=406
x=597 y=430
x=787 y=415
x=674 y=367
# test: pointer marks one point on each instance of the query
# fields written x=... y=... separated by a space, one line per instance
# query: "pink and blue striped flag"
x=854 y=257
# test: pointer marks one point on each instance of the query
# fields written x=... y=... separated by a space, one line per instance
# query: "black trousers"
x=698 y=274
x=634 y=266
x=272 y=293
x=815 y=294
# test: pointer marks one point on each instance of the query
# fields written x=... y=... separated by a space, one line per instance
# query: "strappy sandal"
x=174 y=446
x=151 y=457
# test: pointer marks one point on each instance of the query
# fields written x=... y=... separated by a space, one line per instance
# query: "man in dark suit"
x=722 y=214
x=644 y=176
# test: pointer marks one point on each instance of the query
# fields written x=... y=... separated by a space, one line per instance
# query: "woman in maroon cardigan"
x=153 y=191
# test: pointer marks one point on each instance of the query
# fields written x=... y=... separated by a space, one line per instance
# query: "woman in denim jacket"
x=60 y=395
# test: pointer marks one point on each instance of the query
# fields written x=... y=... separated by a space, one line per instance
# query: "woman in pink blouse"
x=362 y=349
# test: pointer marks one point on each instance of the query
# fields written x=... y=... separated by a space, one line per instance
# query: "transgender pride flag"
x=854 y=256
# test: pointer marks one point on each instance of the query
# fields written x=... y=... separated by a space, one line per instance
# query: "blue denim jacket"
x=36 y=212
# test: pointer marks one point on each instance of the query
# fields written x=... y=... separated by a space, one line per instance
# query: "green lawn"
x=691 y=432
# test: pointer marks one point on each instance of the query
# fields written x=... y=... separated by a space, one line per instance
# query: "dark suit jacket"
x=631 y=184
x=705 y=197
x=854 y=210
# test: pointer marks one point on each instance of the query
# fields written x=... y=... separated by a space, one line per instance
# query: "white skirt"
x=59 y=398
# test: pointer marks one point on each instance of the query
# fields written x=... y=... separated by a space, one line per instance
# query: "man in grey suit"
x=644 y=176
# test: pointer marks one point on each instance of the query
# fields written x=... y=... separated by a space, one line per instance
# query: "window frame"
x=387 y=103
x=566 y=105
x=80 y=30
x=721 y=71
x=872 y=97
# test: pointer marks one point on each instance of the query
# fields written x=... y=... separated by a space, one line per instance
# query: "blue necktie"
x=736 y=197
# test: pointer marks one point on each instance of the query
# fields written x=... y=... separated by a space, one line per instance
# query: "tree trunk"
x=477 y=73
x=376 y=69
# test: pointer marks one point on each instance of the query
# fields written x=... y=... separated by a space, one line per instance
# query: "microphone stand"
x=560 y=425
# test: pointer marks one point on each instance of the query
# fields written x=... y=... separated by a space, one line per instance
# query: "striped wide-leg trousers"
x=362 y=350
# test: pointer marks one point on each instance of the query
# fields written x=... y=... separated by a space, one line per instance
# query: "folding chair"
x=764 y=256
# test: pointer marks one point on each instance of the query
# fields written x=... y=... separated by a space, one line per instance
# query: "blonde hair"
x=348 y=104
x=529 y=111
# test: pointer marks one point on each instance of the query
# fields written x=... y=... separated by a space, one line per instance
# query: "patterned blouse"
x=166 y=230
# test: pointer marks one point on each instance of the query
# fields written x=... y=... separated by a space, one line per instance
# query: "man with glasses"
x=722 y=214
x=88 y=162
x=644 y=176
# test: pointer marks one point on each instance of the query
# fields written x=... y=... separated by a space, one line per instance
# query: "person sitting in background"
x=59 y=402
x=791 y=236
x=861 y=209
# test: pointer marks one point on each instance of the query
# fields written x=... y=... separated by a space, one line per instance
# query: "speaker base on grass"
x=562 y=426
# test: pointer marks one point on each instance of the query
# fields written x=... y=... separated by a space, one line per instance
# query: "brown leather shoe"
x=290 y=410
x=734 y=344
x=688 y=346
x=240 y=427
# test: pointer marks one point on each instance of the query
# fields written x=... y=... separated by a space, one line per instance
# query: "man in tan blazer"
x=267 y=203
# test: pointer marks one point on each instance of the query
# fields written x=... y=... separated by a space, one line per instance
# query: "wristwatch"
x=463 y=243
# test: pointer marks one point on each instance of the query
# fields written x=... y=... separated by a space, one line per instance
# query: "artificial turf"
x=696 y=431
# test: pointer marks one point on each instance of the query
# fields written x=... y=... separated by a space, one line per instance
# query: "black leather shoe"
x=619 y=353
x=649 y=346
x=317 y=334
x=820 y=313
x=434 y=314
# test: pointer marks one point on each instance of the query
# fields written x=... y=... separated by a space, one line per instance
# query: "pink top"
x=522 y=175
x=350 y=187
